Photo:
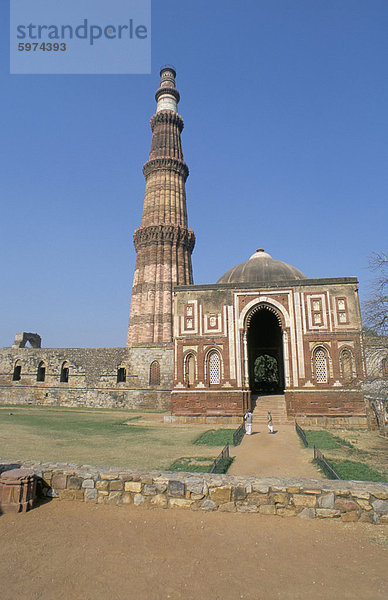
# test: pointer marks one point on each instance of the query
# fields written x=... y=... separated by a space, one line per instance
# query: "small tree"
x=375 y=308
x=266 y=372
x=375 y=315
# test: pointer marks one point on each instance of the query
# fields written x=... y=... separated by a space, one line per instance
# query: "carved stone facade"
x=318 y=352
x=163 y=243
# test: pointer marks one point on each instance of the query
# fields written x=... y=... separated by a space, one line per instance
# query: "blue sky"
x=285 y=109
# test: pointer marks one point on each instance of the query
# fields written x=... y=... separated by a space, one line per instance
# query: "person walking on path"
x=269 y=422
x=248 y=422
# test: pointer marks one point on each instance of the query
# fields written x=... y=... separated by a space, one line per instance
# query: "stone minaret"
x=163 y=242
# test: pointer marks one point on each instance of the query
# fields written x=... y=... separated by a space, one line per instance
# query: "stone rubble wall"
x=92 y=377
x=348 y=501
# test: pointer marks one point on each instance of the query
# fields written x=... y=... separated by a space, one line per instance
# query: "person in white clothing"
x=248 y=422
x=269 y=422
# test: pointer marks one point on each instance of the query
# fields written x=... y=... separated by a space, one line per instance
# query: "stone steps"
x=276 y=404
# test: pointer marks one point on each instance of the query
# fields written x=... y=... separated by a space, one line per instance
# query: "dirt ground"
x=70 y=550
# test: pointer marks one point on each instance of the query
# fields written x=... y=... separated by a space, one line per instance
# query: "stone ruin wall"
x=92 y=377
x=346 y=501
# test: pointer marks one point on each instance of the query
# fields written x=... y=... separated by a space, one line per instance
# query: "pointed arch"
x=154 y=376
x=41 y=372
x=320 y=364
x=65 y=369
x=17 y=370
x=189 y=369
x=264 y=302
x=213 y=364
x=346 y=364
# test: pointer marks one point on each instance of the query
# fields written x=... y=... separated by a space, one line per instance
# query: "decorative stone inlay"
x=261 y=306
x=167 y=116
x=171 y=234
x=166 y=164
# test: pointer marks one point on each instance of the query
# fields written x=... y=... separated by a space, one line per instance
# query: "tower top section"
x=167 y=96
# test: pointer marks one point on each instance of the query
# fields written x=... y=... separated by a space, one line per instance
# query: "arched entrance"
x=265 y=352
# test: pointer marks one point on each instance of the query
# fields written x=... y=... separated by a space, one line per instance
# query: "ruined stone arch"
x=22 y=338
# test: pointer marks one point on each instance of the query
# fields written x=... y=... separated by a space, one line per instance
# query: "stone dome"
x=261 y=268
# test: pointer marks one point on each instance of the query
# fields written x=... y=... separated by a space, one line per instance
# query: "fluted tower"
x=163 y=243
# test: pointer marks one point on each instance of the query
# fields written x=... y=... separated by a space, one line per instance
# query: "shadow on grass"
x=199 y=464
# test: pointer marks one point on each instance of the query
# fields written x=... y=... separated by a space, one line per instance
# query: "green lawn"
x=192 y=464
x=215 y=437
x=348 y=460
x=200 y=464
x=96 y=436
x=321 y=439
x=349 y=469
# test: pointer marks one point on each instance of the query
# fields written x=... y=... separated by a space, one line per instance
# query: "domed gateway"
x=266 y=336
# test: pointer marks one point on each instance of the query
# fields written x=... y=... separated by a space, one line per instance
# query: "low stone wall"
x=304 y=498
x=333 y=422
x=203 y=419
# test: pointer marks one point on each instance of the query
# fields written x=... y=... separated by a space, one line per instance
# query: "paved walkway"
x=277 y=455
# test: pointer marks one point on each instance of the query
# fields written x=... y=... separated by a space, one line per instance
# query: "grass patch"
x=215 y=437
x=322 y=440
x=343 y=442
x=70 y=422
x=192 y=464
x=199 y=464
x=223 y=465
x=348 y=469
x=119 y=438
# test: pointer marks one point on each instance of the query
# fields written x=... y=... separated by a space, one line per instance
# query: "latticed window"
x=190 y=370
x=214 y=368
x=155 y=373
x=346 y=364
x=320 y=363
